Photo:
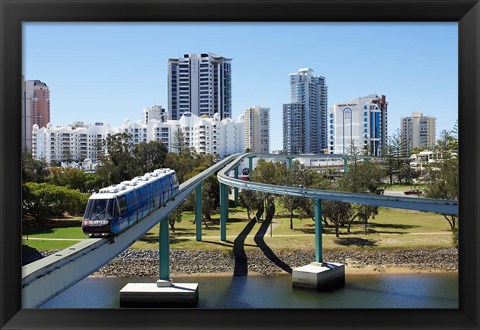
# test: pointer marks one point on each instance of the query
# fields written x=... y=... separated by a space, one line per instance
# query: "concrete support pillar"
x=319 y=275
x=289 y=161
x=198 y=212
x=164 y=250
x=223 y=211
x=235 y=190
x=250 y=164
x=318 y=230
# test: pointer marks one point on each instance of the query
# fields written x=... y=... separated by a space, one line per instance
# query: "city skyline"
x=107 y=72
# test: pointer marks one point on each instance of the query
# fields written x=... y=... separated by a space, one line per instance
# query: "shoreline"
x=144 y=263
x=367 y=270
x=207 y=263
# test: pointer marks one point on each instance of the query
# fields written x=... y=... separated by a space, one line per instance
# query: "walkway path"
x=193 y=237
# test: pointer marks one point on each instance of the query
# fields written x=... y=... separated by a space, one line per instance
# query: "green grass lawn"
x=391 y=228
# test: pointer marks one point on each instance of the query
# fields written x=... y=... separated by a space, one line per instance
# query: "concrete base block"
x=319 y=276
x=147 y=295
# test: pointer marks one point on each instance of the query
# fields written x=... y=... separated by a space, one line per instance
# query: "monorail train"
x=115 y=208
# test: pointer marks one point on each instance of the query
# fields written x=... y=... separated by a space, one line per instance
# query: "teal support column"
x=250 y=164
x=223 y=211
x=164 y=250
x=198 y=212
x=318 y=230
x=366 y=159
x=345 y=167
x=290 y=159
x=235 y=190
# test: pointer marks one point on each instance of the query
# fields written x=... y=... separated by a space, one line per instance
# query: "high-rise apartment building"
x=200 y=84
x=305 y=117
x=35 y=109
x=417 y=131
x=360 y=123
x=257 y=129
x=293 y=128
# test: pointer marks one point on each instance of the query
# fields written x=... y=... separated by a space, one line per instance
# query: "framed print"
x=242 y=23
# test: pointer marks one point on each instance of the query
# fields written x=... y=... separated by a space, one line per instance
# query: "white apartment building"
x=257 y=129
x=417 y=131
x=308 y=104
x=361 y=122
x=155 y=112
x=78 y=141
x=75 y=142
x=200 y=84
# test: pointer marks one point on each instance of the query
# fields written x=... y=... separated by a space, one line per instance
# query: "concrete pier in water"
x=161 y=294
x=319 y=276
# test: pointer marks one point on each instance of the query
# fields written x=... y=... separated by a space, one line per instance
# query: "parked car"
x=413 y=192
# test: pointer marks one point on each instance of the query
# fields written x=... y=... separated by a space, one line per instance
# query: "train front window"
x=100 y=209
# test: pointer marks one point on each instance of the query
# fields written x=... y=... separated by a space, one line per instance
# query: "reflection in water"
x=360 y=291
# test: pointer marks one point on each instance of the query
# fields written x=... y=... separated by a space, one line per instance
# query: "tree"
x=188 y=163
x=364 y=212
x=150 y=156
x=175 y=216
x=274 y=173
x=250 y=200
x=118 y=164
x=179 y=141
x=309 y=178
x=34 y=170
x=442 y=178
x=73 y=178
x=210 y=196
x=43 y=200
x=298 y=176
x=395 y=153
x=339 y=213
x=365 y=177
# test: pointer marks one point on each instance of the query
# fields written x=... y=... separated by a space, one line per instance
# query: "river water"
x=360 y=291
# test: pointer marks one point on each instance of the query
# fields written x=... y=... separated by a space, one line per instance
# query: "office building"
x=417 y=131
x=200 y=84
x=257 y=129
x=360 y=123
x=305 y=117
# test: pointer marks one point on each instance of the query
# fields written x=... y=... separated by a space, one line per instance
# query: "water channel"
x=431 y=290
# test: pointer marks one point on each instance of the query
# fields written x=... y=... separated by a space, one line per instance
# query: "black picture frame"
x=13 y=13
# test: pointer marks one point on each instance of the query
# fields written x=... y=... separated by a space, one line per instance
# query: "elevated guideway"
x=419 y=204
x=318 y=275
x=47 y=277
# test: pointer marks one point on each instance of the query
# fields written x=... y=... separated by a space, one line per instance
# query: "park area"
x=391 y=229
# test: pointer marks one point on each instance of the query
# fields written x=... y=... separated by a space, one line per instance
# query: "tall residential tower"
x=200 y=84
x=35 y=109
x=305 y=118
x=257 y=129
x=417 y=131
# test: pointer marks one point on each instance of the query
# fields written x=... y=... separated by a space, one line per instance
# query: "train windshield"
x=101 y=209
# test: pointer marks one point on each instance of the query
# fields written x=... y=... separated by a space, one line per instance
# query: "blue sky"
x=108 y=72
